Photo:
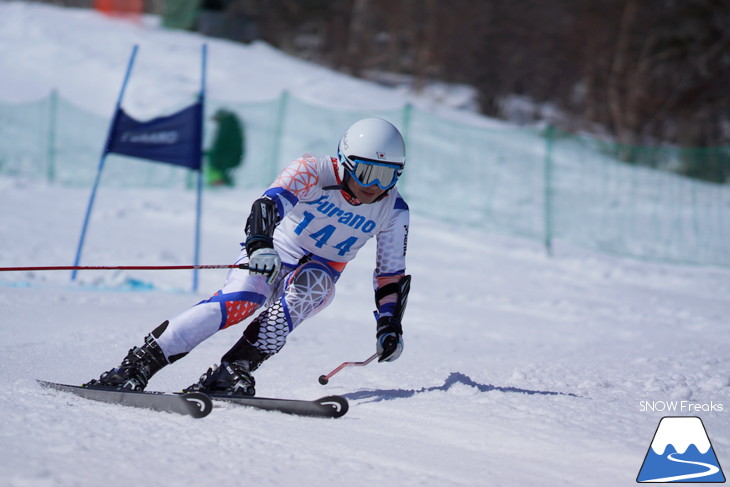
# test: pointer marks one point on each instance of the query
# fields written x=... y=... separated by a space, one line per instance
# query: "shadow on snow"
x=453 y=379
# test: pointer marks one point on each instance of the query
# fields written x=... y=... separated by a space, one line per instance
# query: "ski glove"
x=265 y=261
x=389 y=339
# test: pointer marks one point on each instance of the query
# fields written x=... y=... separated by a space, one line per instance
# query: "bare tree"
x=646 y=71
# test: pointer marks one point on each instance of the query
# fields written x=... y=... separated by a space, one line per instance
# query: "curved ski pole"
x=324 y=379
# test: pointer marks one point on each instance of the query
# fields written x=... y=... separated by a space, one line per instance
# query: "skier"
x=299 y=236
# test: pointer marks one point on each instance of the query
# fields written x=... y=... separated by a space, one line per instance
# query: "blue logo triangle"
x=681 y=452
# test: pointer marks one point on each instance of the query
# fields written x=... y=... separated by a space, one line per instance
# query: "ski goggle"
x=368 y=172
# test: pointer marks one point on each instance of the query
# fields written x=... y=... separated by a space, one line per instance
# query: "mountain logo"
x=681 y=452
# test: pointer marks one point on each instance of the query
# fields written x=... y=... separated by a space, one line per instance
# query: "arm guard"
x=261 y=224
x=389 y=333
x=402 y=288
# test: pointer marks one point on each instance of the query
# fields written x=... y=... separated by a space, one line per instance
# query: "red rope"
x=125 y=268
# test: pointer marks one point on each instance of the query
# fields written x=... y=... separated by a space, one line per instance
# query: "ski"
x=199 y=405
x=324 y=407
x=193 y=404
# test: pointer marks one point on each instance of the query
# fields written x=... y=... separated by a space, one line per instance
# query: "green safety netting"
x=667 y=204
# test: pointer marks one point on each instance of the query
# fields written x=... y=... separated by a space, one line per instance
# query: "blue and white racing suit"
x=321 y=229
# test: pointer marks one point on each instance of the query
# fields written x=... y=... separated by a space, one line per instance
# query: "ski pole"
x=324 y=379
x=125 y=268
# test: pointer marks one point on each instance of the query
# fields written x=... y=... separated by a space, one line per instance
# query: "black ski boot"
x=233 y=376
x=228 y=379
x=140 y=364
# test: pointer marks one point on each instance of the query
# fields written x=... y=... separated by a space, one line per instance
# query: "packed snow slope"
x=519 y=369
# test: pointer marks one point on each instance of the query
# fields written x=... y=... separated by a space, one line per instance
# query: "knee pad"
x=308 y=290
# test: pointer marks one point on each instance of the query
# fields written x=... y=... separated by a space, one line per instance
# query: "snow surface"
x=519 y=369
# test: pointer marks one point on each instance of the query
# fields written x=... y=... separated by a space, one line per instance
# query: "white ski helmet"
x=373 y=152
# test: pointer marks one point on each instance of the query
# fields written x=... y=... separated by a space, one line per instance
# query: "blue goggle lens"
x=368 y=173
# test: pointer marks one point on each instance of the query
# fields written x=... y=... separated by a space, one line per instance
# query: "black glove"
x=389 y=339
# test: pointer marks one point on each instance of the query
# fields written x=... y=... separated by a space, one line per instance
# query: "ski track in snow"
x=518 y=369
